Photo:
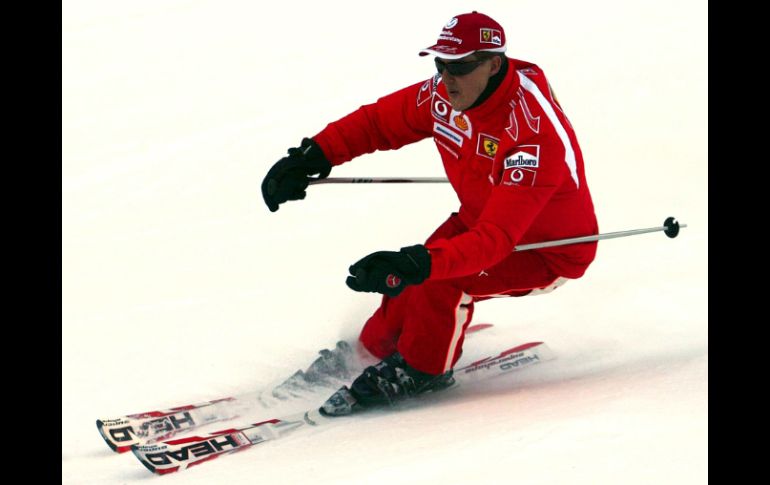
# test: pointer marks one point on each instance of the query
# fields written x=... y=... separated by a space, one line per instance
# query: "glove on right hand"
x=389 y=272
x=290 y=176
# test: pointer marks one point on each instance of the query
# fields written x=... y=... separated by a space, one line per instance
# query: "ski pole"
x=380 y=180
x=670 y=227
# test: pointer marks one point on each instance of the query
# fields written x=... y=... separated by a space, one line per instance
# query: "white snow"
x=180 y=286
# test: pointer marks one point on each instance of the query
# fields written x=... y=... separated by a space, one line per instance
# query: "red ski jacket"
x=513 y=160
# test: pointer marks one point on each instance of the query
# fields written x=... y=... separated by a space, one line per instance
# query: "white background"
x=179 y=285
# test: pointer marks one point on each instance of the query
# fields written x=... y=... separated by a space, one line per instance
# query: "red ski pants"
x=426 y=323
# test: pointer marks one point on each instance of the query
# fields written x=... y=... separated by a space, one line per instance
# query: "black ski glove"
x=289 y=177
x=389 y=272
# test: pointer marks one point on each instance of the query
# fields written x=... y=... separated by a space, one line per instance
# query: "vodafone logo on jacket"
x=520 y=176
x=441 y=109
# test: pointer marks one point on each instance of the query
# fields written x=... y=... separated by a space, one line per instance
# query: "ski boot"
x=388 y=382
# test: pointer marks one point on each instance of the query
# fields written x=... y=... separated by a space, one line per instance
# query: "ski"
x=123 y=432
x=179 y=454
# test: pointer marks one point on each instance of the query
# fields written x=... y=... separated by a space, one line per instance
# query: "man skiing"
x=514 y=160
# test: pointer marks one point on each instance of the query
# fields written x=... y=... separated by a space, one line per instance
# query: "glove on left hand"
x=389 y=272
x=290 y=176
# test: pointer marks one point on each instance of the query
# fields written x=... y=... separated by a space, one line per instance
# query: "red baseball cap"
x=466 y=34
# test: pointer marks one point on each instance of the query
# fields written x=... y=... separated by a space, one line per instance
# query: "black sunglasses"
x=457 y=68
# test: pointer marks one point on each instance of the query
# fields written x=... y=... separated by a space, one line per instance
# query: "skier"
x=514 y=160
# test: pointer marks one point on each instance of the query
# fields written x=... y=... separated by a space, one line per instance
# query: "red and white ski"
x=123 y=432
x=179 y=454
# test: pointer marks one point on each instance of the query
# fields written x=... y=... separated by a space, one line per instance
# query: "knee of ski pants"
x=432 y=299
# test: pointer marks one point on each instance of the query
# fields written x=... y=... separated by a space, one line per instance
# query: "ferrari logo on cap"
x=491 y=36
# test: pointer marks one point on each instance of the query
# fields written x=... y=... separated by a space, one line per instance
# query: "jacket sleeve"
x=526 y=174
x=395 y=120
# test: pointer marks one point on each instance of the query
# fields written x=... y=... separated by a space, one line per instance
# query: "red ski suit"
x=516 y=166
